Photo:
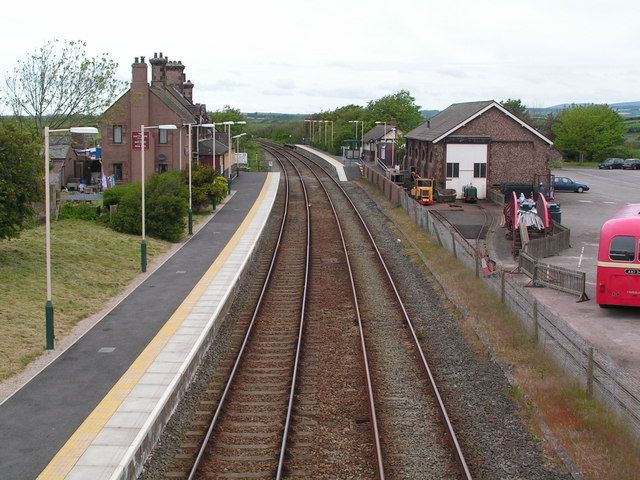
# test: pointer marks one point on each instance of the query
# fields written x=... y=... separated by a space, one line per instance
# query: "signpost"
x=136 y=143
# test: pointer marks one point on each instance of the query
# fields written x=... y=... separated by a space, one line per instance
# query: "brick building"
x=478 y=143
x=376 y=144
x=167 y=100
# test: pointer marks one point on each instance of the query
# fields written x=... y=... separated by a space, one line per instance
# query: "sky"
x=299 y=56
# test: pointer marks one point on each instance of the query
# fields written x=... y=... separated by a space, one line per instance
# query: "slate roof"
x=377 y=133
x=221 y=144
x=174 y=104
x=446 y=120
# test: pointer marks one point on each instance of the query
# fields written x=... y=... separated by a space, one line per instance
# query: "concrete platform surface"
x=86 y=414
x=342 y=176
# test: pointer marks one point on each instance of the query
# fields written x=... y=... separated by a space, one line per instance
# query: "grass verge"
x=90 y=264
x=600 y=444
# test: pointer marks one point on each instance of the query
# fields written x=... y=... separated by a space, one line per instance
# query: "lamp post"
x=228 y=126
x=143 y=242
x=361 y=122
x=48 y=308
x=310 y=123
x=331 y=122
x=385 y=139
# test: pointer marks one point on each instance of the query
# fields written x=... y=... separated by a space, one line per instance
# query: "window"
x=623 y=249
x=480 y=170
x=453 y=170
x=164 y=136
x=117 y=134
x=117 y=171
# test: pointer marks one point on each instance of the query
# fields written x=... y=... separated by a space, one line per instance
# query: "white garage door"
x=467 y=165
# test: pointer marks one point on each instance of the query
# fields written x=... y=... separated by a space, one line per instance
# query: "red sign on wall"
x=136 y=144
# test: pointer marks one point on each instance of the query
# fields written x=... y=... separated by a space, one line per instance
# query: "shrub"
x=205 y=184
x=220 y=188
x=112 y=196
x=79 y=210
x=167 y=203
x=127 y=218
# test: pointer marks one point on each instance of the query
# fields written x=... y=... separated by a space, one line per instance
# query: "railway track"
x=408 y=400
x=327 y=381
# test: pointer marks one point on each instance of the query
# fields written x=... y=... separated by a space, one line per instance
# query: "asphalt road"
x=615 y=331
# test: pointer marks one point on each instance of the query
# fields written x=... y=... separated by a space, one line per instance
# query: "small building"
x=480 y=144
x=377 y=144
x=167 y=100
x=65 y=161
x=204 y=152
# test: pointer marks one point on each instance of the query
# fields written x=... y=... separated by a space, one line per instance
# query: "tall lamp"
x=48 y=308
x=143 y=145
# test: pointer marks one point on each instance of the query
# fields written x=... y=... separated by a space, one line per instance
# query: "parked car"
x=631 y=164
x=565 y=184
x=611 y=164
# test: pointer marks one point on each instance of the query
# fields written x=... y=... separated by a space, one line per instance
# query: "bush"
x=205 y=184
x=620 y=151
x=220 y=188
x=112 y=196
x=79 y=210
x=127 y=218
x=167 y=203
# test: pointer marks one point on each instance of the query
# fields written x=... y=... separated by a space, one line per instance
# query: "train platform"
x=339 y=167
x=97 y=410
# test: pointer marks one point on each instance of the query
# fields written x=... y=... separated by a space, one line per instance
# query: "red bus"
x=618 y=281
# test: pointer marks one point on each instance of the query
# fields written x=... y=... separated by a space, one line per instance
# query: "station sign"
x=136 y=142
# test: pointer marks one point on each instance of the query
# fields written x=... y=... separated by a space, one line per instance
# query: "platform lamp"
x=361 y=122
x=325 y=140
x=48 y=308
x=228 y=124
x=237 y=137
x=310 y=126
x=143 y=242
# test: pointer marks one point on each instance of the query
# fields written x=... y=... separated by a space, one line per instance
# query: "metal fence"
x=597 y=372
x=546 y=275
x=550 y=245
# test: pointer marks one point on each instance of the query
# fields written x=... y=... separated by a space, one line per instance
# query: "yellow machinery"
x=422 y=189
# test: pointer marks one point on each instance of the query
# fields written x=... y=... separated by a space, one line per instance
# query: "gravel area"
x=493 y=436
x=208 y=382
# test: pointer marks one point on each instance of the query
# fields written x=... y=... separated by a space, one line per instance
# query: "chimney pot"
x=155 y=54
x=141 y=59
x=136 y=60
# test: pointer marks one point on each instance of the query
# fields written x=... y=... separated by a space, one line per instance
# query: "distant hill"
x=274 y=117
x=626 y=109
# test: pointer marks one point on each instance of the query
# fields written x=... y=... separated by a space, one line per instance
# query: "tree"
x=59 y=83
x=229 y=114
x=20 y=176
x=519 y=109
x=585 y=130
x=399 y=106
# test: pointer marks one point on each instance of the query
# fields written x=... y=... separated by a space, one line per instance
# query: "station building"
x=376 y=144
x=478 y=143
x=168 y=99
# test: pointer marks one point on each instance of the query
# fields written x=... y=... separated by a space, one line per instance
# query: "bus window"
x=623 y=249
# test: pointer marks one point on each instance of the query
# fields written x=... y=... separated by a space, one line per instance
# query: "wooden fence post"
x=590 y=373
x=535 y=321
x=477 y=252
x=503 y=274
x=453 y=243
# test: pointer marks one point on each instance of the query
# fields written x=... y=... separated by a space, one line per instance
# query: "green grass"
x=90 y=264
x=575 y=164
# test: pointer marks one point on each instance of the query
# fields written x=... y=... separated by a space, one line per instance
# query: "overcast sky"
x=296 y=56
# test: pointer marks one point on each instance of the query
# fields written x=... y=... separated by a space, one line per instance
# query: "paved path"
x=37 y=421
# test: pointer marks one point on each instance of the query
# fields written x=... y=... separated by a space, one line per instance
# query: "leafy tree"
x=20 y=176
x=399 y=106
x=585 y=130
x=60 y=82
x=519 y=109
x=229 y=114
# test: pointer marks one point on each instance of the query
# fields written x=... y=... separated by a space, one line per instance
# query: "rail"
x=439 y=401
x=553 y=276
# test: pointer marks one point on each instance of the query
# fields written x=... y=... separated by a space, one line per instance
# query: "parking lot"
x=614 y=330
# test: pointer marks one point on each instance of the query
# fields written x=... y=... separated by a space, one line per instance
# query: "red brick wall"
x=515 y=154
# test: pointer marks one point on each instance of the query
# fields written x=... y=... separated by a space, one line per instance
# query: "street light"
x=361 y=122
x=48 y=308
x=143 y=242
x=228 y=124
x=310 y=129
x=325 y=139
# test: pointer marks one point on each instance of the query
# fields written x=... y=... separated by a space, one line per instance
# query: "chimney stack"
x=138 y=73
x=187 y=88
x=158 y=70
